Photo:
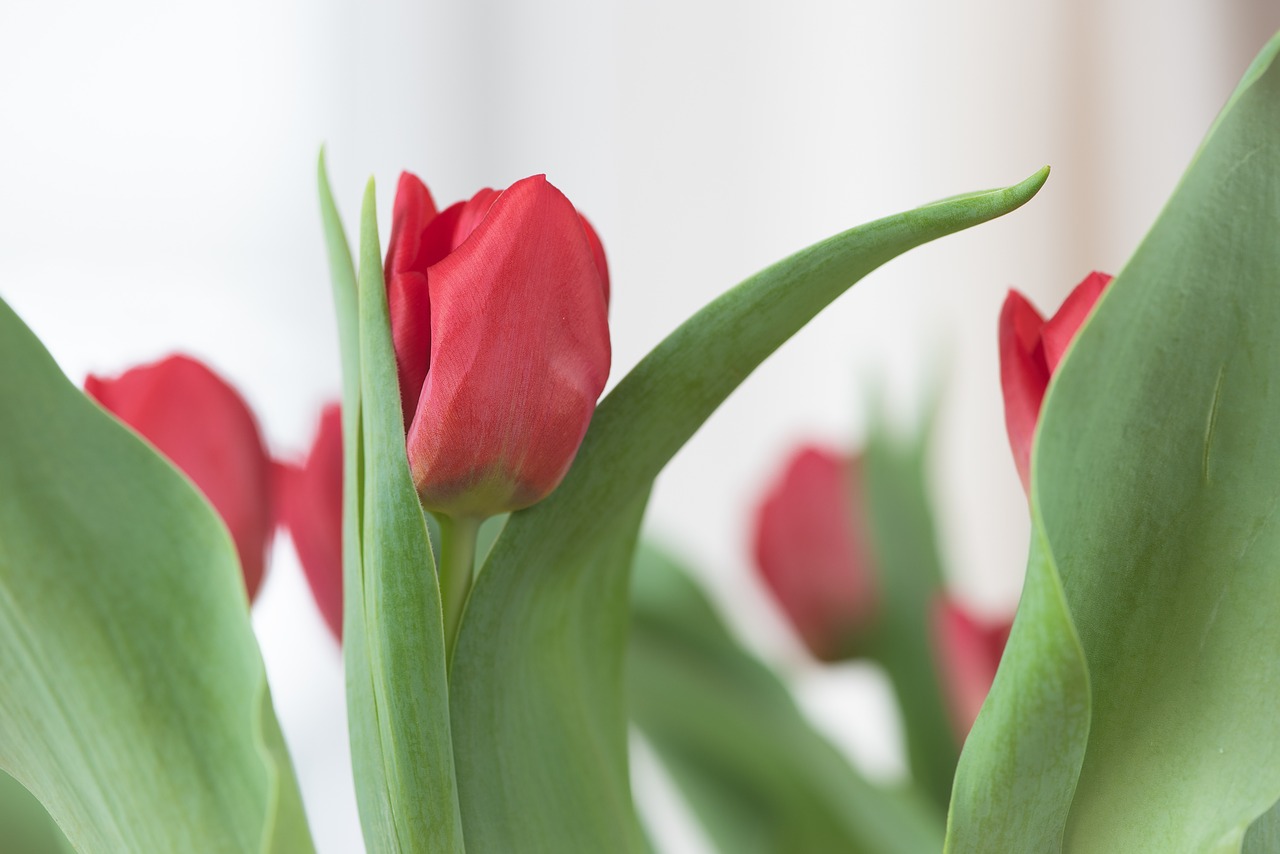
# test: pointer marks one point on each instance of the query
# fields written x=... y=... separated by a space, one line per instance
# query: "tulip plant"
x=468 y=519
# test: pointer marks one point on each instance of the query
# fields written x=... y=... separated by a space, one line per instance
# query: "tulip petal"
x=202 y=425
x=812 y=552
x=309 y=501
x=1023 y=377
x=473 y=212
x=1062 y=327
x=519 y=355
x=418 y=240
x=597 y=250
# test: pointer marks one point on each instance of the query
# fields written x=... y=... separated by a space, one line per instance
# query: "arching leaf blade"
x=1157 y=478
x=135 y=704
x=407 y=703
x=518 y=659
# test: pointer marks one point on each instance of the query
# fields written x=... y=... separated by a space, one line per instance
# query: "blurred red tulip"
x=309 y=497
x=968 y=652
x=499 y=317
x=1030 y=349
x=202 y=425
x=813 y=552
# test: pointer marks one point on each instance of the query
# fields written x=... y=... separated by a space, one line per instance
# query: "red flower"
x=968 y=652
x=199 y=422
x=499 y=317
x=309 y=497
x=813 y=551
x=1030 y=350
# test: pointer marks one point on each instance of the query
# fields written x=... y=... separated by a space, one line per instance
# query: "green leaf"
x=404 y=755
x=362 y=722
x=135 y=704
x=1263 y=836
x=538 y=716
x=27 y=828
x=1154 y=493
x=757 y=774
x=1019 y=765
x=909 y=575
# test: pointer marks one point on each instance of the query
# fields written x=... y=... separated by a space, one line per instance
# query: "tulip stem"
x=457 y=565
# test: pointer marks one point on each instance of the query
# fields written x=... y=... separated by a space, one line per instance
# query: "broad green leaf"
x=135 y=704
x=539 y=722
x=909 y=574
x=1263 y=836
x=1019 y=765
x=1155 y=484
x=368 y=768
x=25 y=826
x=405 y=707
x=757 y=774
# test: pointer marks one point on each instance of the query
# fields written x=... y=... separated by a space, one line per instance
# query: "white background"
x=157 y=193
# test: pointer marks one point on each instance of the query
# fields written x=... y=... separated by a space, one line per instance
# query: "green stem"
x=457 y=565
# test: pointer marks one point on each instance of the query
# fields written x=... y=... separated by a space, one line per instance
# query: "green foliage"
x=1132 y=713
x=397 y=675
x=909 y=577
x=26 y=827
x=761 y=780
x=536 y=692
x=135 y=704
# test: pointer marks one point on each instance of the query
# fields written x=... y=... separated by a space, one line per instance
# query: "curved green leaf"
x=135 y=704
x=27 y=828
x=1019 y=765
x=409 y=799
x=368 y=769
x=538 y=719
x=1263 y=836
x=909 y=574
x=1154 y=493
x=1168 y=544
x=760 y=778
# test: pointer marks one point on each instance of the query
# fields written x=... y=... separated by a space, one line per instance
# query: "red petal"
x=968 y=653
x=473 y=213
x=1023 y=377
x=519 y=355
x=415 y=245
x=310 y=506
x=597 y=250
x=204 y=427
x=1064 y=325
x=812 y=550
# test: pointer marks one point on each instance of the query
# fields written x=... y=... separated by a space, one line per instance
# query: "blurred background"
x=157 y=193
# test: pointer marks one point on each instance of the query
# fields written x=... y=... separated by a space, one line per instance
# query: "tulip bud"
x=1030 y=350
x=203 y=426
x=813 y=551
x=499 y=321
x=968 y=652
x=309 y=498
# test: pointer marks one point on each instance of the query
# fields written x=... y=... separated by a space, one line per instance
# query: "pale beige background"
x=157 y=192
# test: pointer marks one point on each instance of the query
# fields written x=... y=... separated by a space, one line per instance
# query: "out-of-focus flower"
x=499 y=318
x=309 y=500
x=1030 y=349
x=204 y=427
x=812 y=550
x=968 y=652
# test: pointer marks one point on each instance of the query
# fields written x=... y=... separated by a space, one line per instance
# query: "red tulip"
x=1030 y=349
x=199 y=422
x=309 y=497
x=968 y=652
x=499 y=317
x=813 y=552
